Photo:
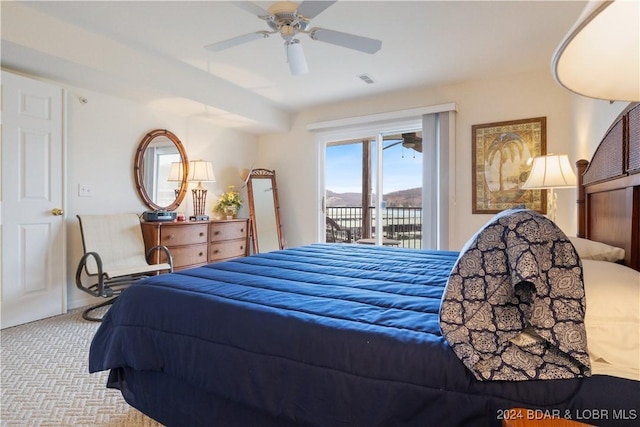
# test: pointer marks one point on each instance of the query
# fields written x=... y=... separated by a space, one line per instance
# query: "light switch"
x=85 y=190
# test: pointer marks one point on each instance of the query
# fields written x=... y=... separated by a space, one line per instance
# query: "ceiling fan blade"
x=252 y=8
x=351 y=41
x=310 y=8
x=393 y=144
x=412 y=137
x=235 y=41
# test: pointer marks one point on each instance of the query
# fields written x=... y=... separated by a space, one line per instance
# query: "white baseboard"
x=77 y=300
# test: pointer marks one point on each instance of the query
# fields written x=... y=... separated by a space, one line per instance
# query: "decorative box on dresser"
x=195 y=243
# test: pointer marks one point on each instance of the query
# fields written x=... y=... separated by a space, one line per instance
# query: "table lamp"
x=548 y=173
x=200 y=171
x=176 y=174
x=600 y=56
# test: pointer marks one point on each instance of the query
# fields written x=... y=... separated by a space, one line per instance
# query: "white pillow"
x=590 y=249
x=612 y=320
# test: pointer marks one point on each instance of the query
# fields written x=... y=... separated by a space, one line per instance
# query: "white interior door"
x=33 y=239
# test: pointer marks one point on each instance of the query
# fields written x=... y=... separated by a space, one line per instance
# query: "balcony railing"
x=398 y=223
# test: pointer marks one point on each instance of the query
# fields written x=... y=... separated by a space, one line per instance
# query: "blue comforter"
x=325 y=334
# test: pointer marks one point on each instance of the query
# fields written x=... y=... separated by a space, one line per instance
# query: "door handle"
x=56 y=211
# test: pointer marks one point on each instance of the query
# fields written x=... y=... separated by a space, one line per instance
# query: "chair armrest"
x=99 y=289
x=167 y=253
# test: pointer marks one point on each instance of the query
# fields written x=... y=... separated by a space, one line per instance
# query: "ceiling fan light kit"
x=290 y=19
x=296 y=59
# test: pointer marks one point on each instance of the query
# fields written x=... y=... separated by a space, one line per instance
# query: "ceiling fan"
x=409 y=140
x=290 y=19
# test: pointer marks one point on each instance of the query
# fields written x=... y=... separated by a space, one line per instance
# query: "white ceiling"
x=424 y=43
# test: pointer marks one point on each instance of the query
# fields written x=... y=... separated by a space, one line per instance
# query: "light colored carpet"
x=45 y=381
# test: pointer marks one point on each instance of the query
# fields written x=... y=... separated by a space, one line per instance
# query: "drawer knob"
x=200 y=254
x=201 y=233
x=171 y=237
x=217 y=251
x=242 y=230
x=216 y=232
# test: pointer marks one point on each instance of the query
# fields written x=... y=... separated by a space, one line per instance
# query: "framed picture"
x=501 y=153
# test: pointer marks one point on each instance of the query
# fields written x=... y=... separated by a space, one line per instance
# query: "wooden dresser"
x=194 y=243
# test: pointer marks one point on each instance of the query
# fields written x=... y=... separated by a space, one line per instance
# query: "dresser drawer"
x=196 y=243
x=183 y=235
x=188 y=256
x=219 y=251
x=229 y=230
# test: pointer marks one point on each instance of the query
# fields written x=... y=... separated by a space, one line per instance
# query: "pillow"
x=613 y=313
x=590 y=249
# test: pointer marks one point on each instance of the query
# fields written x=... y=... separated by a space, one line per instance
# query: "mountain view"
x=404 y=198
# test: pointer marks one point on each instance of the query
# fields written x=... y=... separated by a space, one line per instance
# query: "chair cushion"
x=118 y=240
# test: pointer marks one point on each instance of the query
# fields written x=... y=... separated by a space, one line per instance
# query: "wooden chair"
x=114 y=255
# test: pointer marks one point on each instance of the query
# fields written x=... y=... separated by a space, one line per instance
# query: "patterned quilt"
x=514 y=304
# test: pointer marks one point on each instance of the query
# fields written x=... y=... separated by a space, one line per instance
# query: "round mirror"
x=160 y=169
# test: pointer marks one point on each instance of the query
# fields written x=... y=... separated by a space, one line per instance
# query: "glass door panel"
x=357 y=171
x=401 y=203
x=343 y=201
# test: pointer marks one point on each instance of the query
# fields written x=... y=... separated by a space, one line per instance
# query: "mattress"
x=324 y=334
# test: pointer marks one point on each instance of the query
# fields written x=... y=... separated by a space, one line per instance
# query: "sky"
x=402 y=168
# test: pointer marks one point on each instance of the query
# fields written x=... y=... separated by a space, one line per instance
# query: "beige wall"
x=590 y=120
x=102 y=138
x=294 y=155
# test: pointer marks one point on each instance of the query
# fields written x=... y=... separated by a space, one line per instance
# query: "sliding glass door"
x=375 y=183
x=393 y=172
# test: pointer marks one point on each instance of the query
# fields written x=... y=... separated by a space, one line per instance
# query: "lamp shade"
x=296 y=59
x=600 y=56
x=551 y=171
x=176 y=172
x=200 y=171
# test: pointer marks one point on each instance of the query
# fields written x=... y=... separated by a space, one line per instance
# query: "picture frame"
x=501 y=165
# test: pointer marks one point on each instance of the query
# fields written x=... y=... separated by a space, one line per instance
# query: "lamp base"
x=199 y=218
x=552 y=205
x=199 y=198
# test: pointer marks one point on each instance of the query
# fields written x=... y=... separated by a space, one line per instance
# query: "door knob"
x=57 y=211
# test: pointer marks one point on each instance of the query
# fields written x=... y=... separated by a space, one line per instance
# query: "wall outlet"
x=85 y=190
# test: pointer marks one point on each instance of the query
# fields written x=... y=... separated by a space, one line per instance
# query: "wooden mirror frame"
x=263 y=174
x=138 y=169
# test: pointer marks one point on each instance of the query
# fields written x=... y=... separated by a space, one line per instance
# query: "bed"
x=351 y=335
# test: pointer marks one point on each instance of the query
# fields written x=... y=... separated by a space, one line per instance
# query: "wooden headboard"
x=609 y=188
